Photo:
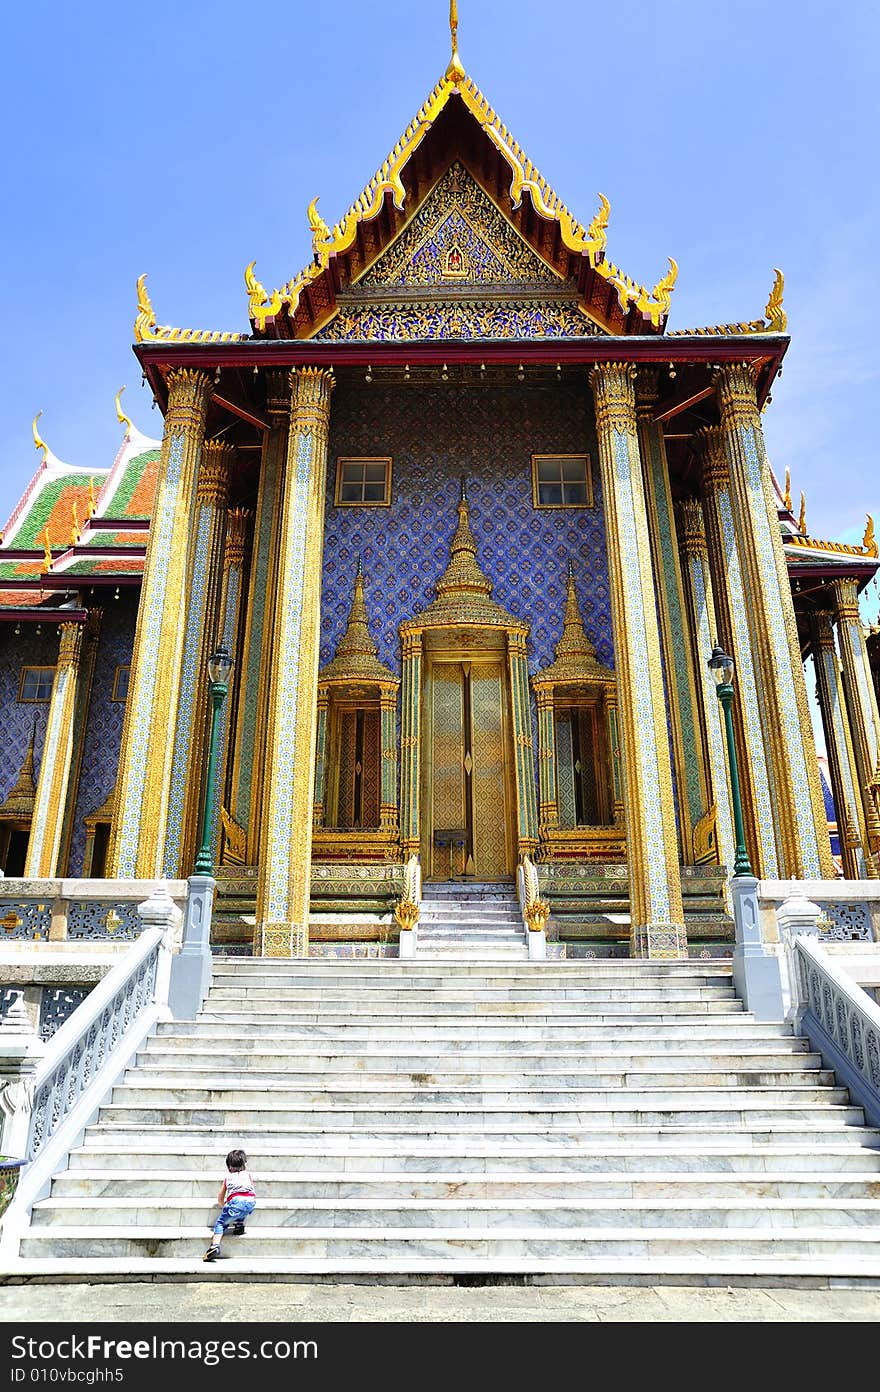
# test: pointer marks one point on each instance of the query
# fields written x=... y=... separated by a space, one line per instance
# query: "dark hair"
x=236 y=1160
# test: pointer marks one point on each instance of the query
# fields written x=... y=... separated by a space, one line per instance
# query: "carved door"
x=466 y=800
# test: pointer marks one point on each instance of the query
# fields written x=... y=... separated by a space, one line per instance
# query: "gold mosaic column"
x=320 y=757
x=238 y=522
x=410 y=743
x=202 y=590
x=861 y=702
x=388 y=817
x=523 y=745
x=44 y=843
x=852 y=827
x=656 y=911
x=548 y=807
x=85 y=678
x=701 y=604
x=284 y=880
x=733 y=633
x=691 y=775
x=246 y=782
x=145 y=757
x=799 y=811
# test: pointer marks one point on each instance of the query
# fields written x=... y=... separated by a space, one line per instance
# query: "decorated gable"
x=459 y=270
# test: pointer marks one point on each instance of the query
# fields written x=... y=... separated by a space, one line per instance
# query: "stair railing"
x=535 y=910
x=408 y=908
x=840 y=1019
x=86 y=1057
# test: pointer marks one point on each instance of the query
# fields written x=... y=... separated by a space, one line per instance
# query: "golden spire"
x=463 y=574
x=20 y=801
x=39 y=443
x=802 y=520
x=455 y=72
x=575 y=658
x=120 y=414
x=356 y=654
x=786 y=501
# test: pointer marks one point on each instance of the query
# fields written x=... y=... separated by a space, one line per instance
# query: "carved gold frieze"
x=614 y=392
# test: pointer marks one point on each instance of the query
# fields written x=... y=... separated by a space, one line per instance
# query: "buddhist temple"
x=469 y=517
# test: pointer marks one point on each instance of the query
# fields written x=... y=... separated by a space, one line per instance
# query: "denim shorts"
x=233 y=1211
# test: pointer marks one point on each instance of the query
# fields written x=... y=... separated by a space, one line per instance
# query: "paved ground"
x=153 y=1302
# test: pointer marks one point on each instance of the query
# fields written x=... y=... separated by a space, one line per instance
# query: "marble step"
x=804 y=1067
x=684 y=1151
x=641 y=1109
x=459 y=1185
x=137 y=1090
x=269 y=997
x=326 y=1012
x=355 y=1062
x=516 y=1244
x=732 y=1030
x=394 y=969
x=703 y=1212
x=445 y=977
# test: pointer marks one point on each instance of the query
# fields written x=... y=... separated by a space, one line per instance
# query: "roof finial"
x=455 y=72
x=39 y=443
x=120 y=414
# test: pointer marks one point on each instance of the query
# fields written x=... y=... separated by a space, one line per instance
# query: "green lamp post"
x=721 y=667
x=219 y=668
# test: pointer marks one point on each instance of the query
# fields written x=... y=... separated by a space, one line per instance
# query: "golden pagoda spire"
x=575 y=658
x=455 y=72
x=20 y=801
x=120 y=414
x=356 y=653
x=463 y=575
x=39 y=442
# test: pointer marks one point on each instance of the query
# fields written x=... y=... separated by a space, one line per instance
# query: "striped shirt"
x=239 y=1185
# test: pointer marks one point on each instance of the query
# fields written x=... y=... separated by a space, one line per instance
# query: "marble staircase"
x=468 y=922
x=455 y=1120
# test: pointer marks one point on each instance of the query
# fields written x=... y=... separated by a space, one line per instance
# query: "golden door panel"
x=465 y=770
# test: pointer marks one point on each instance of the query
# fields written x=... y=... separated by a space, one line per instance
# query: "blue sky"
x=185 y=140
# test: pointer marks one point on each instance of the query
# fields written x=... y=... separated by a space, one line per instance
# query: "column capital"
x=412 y=643
x=613 y=387
x=188 y=393
x=212 y=483
x=823 y=620
x=692 y=530
x=70 y=645
x=710 y=443
x=238 y=521
x=310 y=392
x=735 y=387
x=647 y=390
x=846 y=595
x=278 y=390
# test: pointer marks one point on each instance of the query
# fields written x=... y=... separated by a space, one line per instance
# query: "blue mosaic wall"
x=27 y=649
x=435 y=435
x=104 y=722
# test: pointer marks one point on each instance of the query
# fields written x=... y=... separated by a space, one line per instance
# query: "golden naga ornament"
x=786 y=501
x=260 y=305
x=147 y=330
x=869 y=543
x=120 y=414
x=39 y=442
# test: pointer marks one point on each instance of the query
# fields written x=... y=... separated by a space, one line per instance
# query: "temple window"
x=363 y=483
x=561 y=480
x=36 y=683
x=120 y=684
